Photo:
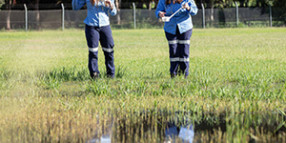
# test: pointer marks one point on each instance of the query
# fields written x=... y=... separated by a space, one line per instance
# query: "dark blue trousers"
x=94 y=35
x=179 y=46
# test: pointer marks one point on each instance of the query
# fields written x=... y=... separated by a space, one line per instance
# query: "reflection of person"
x=104 y=132
x=178 y=32
x=97 y=30
x=185 y=133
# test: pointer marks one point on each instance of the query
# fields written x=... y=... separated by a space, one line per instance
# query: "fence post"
x=270 y=15
x=134 y=14
x=26 y=17
x=63 y=16
x=204 y=16
x=236 y=12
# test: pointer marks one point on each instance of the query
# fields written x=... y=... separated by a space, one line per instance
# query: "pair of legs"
x=94 y=35
x=179 y=49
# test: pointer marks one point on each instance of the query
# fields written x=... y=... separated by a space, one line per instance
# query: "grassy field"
x=236 y=90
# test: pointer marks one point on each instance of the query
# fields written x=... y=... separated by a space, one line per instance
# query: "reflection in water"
x=105 y=136
x=184 y=133
x=173 y=132
x=164 y=126
x=102 y=139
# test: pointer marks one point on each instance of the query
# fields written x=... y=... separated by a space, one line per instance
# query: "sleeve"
x=78 y=4
x=160 y=7
x=193 y=8
x=114 y=10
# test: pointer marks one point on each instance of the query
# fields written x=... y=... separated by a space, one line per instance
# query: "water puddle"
x=171 y=133
x=151 y=127
x=171 y=128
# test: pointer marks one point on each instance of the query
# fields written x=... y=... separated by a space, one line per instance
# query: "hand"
x=162 y=14
x=92 y=2
x=108 y=3
x=186 y=6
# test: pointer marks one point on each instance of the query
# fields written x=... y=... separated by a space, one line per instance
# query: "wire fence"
x=140 y=18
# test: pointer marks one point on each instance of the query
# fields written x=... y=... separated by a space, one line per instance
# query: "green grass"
x=237 y=77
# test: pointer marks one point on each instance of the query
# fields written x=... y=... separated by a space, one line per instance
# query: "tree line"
x=149 y=4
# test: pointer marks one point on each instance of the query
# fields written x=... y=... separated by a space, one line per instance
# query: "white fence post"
x=204 y=16
x=237 y=15
x=26 y=17
x=134 y=14
x=63 y=16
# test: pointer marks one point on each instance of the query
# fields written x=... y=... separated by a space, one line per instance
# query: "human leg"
x=107 y=44
x=92 y=38
x=174 y=63
x=184 y=51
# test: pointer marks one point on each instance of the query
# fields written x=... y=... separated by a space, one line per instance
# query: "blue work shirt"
x=98 y=14
x=182 y=19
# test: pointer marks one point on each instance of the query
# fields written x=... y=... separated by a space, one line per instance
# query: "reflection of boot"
x=104 y=133
x=171 y=133
x=187 y=133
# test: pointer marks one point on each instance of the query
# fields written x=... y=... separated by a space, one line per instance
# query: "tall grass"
x=235 y=92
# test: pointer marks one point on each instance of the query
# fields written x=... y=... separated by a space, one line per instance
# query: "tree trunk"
x=37 y=14
x=150 y=5
x=156 y=3
x=8 y=21
x=118 y=3
x=212 y=11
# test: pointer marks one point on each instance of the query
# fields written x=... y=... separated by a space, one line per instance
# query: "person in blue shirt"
x=178 y=32
x=97 y=30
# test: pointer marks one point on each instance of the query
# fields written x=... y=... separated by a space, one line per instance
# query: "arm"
x=160 y=8
x=190 y=7
x=78 y=4
x=112 y=8
x=193 y=7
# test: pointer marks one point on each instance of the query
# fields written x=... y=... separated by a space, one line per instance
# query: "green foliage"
x=2 y=2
